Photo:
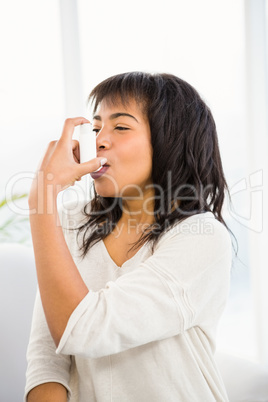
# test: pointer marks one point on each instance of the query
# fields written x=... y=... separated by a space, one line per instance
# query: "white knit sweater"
x=145 y=332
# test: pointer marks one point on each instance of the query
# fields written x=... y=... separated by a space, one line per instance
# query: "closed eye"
x=121 y=128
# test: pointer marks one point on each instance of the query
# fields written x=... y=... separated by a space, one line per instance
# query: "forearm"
x=49 y=392
x=60 y=283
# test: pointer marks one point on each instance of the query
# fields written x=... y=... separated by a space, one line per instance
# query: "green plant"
x=13 y=227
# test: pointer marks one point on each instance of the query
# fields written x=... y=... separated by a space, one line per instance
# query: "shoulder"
x=200 y=231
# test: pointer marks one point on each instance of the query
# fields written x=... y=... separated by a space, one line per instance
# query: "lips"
x=100 y=172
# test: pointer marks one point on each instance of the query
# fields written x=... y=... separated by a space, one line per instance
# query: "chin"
x=106 y=186
x=105 y=191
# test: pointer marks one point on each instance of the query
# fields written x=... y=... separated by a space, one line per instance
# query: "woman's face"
x=124 y=138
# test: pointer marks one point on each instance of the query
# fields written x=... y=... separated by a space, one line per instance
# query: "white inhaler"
x=87 y=143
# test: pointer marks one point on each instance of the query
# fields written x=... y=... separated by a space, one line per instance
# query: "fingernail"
x=103 y=161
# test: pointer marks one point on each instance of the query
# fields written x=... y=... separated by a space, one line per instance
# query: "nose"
x=102 y=140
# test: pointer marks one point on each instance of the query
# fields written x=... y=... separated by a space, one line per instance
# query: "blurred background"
x=54 y=52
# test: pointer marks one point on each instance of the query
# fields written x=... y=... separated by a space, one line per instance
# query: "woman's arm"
x=183 y=284
x=49 y=392
x=44 y=365
x=60 y=284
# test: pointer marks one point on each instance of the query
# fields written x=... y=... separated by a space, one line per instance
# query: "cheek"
x=137 y=169
x=135 y=152
x=144 y=157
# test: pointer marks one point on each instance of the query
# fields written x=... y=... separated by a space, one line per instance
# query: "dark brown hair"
x=186 y=164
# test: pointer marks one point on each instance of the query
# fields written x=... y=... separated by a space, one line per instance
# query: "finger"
x=69 y=125
x=76 y=151
x=75 y=144
x=91 y=166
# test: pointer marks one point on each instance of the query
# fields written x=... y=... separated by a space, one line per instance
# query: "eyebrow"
x=115 y=116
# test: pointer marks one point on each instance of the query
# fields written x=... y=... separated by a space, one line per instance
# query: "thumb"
x=91 y=166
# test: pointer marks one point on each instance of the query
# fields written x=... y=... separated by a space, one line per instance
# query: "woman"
x=132 y=285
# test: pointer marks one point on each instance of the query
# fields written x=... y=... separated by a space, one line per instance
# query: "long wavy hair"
x=186 y=164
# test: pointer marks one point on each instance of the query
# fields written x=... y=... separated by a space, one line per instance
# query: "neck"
x=139 y=210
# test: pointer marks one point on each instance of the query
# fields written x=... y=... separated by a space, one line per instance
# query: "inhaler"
x=87 y=143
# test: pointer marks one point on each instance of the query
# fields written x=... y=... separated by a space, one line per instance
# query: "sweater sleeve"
x=44 y=365
x=183 y=284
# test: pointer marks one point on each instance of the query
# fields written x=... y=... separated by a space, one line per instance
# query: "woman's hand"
x=60 y=167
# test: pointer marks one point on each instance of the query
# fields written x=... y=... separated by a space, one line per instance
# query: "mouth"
x=99 y=172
